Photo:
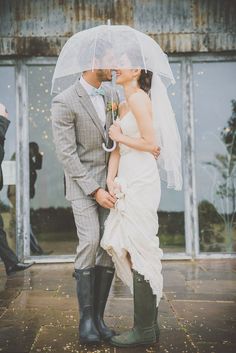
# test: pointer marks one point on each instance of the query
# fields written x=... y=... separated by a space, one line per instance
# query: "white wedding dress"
x=132 y=226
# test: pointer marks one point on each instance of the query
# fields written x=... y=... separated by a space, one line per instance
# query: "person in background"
x=9 y=258
x=35 y=163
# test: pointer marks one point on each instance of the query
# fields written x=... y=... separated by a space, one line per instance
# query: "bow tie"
x=97 y=91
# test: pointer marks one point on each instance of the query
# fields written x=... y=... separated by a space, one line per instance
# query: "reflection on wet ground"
x=38 y=310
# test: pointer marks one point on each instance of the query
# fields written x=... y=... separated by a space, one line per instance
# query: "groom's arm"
x=63 y=129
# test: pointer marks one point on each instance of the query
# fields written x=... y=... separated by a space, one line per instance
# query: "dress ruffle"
x=132 y=227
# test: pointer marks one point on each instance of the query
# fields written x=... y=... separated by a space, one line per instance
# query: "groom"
x=81 y=117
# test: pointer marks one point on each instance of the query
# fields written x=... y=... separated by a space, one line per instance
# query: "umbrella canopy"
x=117 y=47
x=109 y=47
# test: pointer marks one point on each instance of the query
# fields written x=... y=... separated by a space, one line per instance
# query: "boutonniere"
x=112 y=107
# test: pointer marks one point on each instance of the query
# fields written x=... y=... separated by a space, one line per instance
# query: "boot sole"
x=133 y=345
x=107 y=339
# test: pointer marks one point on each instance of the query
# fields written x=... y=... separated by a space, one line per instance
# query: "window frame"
x=192 y=250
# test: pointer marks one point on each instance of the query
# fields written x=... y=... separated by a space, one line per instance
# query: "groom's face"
x=103 y=75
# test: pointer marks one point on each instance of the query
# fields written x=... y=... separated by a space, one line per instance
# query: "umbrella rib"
x=94 y=50
x=144 y=62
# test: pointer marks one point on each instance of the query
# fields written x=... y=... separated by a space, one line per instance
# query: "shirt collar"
x=88 y=88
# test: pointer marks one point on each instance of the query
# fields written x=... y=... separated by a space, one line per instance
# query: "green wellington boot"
x=156 y=326
x=143 y=332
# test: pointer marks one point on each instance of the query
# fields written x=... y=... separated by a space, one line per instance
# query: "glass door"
x=215 y=135
x=52 y=230
x=171 y=210
x=7 y=194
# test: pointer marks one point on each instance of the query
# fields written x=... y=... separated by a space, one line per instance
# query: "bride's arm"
x=112 y=169
x=140 y=105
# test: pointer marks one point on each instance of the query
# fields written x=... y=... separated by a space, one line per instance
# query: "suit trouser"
x=89 y=218
x=6 y=254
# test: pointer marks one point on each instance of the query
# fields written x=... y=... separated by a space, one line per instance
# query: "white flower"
x=120 y=193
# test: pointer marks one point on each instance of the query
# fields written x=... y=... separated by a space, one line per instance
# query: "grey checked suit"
x=78 y=136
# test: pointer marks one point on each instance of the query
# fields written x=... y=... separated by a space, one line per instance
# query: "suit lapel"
x=88 y=106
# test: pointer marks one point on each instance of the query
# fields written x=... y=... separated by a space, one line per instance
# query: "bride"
x=131 y=228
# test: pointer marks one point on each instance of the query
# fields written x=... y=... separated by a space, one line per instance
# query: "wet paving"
x=38 y=310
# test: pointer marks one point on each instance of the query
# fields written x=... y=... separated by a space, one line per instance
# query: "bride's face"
x=124 y=76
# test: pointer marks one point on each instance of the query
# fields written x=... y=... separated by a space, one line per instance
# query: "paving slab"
x=43 y=299
x=216 y=265
x=215 y=347
x=197 y=314
x=176 y=341
x=17 y=337
x=212 y=286
x=207 y=321
x=65 y=339
x=192 y=296
x=47 y=316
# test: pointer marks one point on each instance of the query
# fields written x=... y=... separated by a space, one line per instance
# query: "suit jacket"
x=4 y=123
x=78 y=136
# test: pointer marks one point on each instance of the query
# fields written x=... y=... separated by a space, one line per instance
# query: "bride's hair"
x=145 y=80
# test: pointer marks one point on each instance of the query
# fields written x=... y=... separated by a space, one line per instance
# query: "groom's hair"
x=145 y=80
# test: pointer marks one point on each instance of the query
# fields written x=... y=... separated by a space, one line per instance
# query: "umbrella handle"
x=109 y=149
x=112 y=112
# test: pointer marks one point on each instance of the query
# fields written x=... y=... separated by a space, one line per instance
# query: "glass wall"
x=171 y=210
x=7 y=194
x=215 y=136
x=214 y=111
x=52 y=225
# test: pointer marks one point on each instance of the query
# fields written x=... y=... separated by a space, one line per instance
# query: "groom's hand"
x=156 y=151
x=104 y=198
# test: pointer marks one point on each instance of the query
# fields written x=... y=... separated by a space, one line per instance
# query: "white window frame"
x=192 y=249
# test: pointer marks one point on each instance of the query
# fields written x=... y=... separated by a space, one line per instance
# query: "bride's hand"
x=113 y=187
x=156 y=151
x=115 y=132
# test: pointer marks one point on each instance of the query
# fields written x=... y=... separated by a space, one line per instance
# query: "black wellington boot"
x=156 y=326
x=88 y=332
x=10 y=270
x=103 y=280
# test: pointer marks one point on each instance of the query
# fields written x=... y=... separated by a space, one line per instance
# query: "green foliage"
x=170 y=240
x=47 y=220
x=228 y=135
x=171 y=229
x=212 y=235
x=225 y=191
x=207 y=213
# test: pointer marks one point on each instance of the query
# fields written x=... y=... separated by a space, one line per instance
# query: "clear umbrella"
x=112 y=47
x=109 y=47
